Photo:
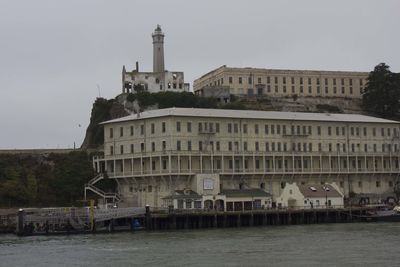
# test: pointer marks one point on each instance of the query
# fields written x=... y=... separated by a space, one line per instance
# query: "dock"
x=59 y=221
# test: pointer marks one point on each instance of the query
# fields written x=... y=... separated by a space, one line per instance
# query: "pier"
x=52 y=221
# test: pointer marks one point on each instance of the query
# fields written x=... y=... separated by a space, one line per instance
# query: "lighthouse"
x=158 y=50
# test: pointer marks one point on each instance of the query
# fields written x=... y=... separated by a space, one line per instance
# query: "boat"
x=383 y=213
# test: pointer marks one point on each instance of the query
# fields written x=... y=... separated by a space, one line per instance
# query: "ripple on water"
x=372 y=244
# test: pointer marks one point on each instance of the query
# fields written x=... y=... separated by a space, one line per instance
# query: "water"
x=369 y=244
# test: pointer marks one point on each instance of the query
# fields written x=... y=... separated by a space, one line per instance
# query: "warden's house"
x=160 y=155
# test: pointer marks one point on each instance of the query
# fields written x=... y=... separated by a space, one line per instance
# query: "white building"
x=305 y=196
x=155 y=153
x=160 y=79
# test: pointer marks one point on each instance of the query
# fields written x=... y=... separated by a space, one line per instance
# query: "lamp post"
x=326 y=188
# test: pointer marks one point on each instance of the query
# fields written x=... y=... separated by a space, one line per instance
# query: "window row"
x=269 y=129
x=268 y=147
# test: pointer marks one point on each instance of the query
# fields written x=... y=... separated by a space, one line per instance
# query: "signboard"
x=208 y=184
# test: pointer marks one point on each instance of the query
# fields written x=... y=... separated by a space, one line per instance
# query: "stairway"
x=108 y=197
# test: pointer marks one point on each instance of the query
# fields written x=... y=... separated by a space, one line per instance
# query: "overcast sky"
x=53 y=54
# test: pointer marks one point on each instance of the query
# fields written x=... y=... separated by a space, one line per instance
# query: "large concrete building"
x=205 y=151
x=160 y=79
x=280 y=83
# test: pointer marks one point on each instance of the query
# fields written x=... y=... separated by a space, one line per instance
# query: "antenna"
x=98 y=88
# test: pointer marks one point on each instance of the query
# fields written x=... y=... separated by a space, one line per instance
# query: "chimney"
x=137 y=66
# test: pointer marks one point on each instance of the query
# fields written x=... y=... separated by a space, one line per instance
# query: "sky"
x=56 y=57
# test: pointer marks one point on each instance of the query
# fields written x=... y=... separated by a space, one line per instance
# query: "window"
x=178 y=145
x=240 y=80
x=373 y=131
x=111 y=150
x=164 y=164
x=230 y=80
x=153 y=146
x=245 y=146
x=217 y=146
x=189 y=145
x=256 y=129
x=382 y=131
x=164 y=145
x=178 y=126
x=378 y=183
x=121 y=131
x=163 y=127
x=259 y=80
x=319 y=130
x=245 y=128
x=131 y=130
x=122 y=149
x=256 y=146
x=152 y=128
x=235 y=128
x=142 y=147
x=200 y=146
x=132 y=148
x=230 y=146
x=111 y=132
x=189 y=127
x=229 y=127
x=329 y=130
x=142 y=129
x=266 y=129
x=250 y=80
x=217 y=127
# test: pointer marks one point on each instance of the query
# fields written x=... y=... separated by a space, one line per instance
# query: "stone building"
x=207 y=151
x=280 y=83
x=160 y=79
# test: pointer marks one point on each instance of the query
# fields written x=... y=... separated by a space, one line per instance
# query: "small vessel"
x=383 y=213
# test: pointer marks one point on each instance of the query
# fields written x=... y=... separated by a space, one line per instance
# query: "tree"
x=382 y=93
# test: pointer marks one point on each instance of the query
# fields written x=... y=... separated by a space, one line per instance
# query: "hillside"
x=43 y=179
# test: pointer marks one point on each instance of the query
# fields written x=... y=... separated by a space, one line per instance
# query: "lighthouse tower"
x=158 y=50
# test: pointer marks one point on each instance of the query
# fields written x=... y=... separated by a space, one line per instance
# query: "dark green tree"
x=382 y=93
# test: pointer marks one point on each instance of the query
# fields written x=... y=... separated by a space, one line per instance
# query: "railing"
x=95 y=179
x=260 y=171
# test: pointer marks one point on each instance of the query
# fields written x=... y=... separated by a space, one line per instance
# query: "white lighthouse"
x=158 y=50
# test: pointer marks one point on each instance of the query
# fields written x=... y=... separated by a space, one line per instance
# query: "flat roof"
x=283 y=71
x=251 y=114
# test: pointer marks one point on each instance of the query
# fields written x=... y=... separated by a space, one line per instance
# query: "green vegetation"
x=172 y=99
x=38 y=180
x=382 y=93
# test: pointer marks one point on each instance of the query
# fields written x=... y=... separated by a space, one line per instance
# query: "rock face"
x=102 y=110
x=303 y=104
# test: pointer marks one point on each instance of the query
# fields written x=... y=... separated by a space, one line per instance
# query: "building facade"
x=281 y=83
x=160 y=79
x=155 y=153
